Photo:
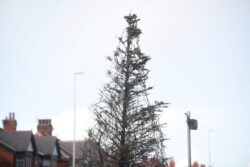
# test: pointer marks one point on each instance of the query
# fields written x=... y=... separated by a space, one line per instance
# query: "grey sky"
x=200 y=63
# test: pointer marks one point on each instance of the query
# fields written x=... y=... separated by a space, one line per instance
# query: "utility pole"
x=192 y=124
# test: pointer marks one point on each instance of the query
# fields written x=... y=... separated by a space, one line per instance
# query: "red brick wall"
x=6 y=156
x=172 y=163
x=62 y=163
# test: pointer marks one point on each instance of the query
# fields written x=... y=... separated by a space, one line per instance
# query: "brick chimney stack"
x=195 y=164
x=44 y=127
x=10 y=124
x=172 y=163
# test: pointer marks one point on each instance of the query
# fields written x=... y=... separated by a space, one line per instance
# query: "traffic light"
x=193 y=124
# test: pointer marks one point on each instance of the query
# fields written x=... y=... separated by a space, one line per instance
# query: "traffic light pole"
x=188 y=139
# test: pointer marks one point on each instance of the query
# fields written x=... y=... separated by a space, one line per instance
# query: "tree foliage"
x=127 y=124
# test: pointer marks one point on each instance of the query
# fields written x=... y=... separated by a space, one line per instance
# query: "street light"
x=74 y=137
x=192 y=124
x=209 y=146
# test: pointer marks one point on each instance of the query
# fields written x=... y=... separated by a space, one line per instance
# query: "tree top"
x=132 y=29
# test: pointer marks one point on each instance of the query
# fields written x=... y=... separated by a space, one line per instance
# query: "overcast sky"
x=200 y=63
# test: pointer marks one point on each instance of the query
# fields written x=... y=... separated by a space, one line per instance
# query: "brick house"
x=64 y=148
x=18 y=148
x=24 y=149
x=48 y=146
x=48 y=150
x=6 y=155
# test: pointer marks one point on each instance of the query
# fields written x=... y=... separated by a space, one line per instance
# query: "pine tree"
x=127 y=125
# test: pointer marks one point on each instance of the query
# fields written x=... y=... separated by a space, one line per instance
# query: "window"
x=46 y=163
x=29 y=161
x=20 y=163
x=5 y=164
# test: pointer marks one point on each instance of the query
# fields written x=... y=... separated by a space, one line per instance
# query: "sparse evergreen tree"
x=127 y=125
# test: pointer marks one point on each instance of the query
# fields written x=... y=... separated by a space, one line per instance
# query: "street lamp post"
x=209 y=147
x=74 y=137
x=192 y=124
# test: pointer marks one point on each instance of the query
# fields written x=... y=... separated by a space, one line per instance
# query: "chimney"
x=172 y=163
x=44 y=127
x=195 y=164
x=10 y=124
